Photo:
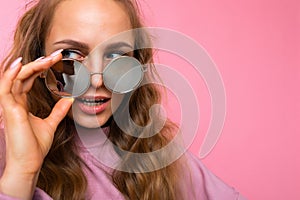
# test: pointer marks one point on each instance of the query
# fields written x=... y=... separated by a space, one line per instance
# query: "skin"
x=29 y=138
x=103 y=20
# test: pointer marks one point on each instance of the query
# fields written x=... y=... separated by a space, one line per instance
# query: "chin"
x=89 y=121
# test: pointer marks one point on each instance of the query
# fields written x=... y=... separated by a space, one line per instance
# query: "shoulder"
x=200 y=183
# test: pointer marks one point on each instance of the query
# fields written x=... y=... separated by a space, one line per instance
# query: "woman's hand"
x=28 y=138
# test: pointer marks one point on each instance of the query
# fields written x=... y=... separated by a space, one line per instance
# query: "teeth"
x=93 y=102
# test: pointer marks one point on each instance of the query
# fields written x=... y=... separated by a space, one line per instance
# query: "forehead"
x=88 y=21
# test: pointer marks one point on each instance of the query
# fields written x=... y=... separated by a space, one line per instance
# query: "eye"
x=73 y=54
x=114 y=54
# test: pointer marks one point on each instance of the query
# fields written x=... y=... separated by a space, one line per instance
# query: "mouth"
x=93 y=101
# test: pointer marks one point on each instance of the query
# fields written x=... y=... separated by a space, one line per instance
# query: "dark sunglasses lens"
x=68 y=78
x=123 y=74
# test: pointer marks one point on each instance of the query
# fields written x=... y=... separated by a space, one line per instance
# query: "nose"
x=94 y=63
x=96 y=80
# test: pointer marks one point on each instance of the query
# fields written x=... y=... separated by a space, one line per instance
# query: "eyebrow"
x=118 y=45
x=82 y=46
x=85 y=47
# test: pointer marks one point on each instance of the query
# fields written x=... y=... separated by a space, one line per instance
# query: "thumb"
x=59 y=111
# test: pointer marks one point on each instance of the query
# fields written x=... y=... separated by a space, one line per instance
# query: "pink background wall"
x=256 y=46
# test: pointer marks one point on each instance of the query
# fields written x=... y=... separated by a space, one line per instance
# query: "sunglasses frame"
x=142 y=67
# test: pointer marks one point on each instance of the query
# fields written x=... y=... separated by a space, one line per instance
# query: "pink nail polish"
x=55 y=53
x=15 y=63
x=45 y=59
x=40 y=58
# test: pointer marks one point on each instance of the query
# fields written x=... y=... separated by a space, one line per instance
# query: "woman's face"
x=80 y=26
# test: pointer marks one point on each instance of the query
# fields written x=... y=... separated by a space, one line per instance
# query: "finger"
x=59 y=111
x=9 y=76
x=39 y=66
x=25 y=86
x=6 y=83
x=31 y=71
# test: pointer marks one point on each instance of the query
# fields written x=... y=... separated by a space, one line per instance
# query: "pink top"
x=204 y=184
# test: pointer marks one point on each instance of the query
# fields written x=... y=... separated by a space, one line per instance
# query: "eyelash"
x=73 y=54
x=77 y=55
x=118 y=52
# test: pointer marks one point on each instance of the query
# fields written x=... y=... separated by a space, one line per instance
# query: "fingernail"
x=40 y=58
x=44 y=59
x=15 y=63
x=55 y=53
x=71 y=99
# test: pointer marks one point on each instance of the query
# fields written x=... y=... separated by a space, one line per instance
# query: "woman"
x=42 y=156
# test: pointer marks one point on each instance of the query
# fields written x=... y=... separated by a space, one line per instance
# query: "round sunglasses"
x=71 y=78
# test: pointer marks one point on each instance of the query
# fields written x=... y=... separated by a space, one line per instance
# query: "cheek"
x=89 y=121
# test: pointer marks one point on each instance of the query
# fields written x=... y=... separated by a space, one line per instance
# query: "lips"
x=92 y=105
